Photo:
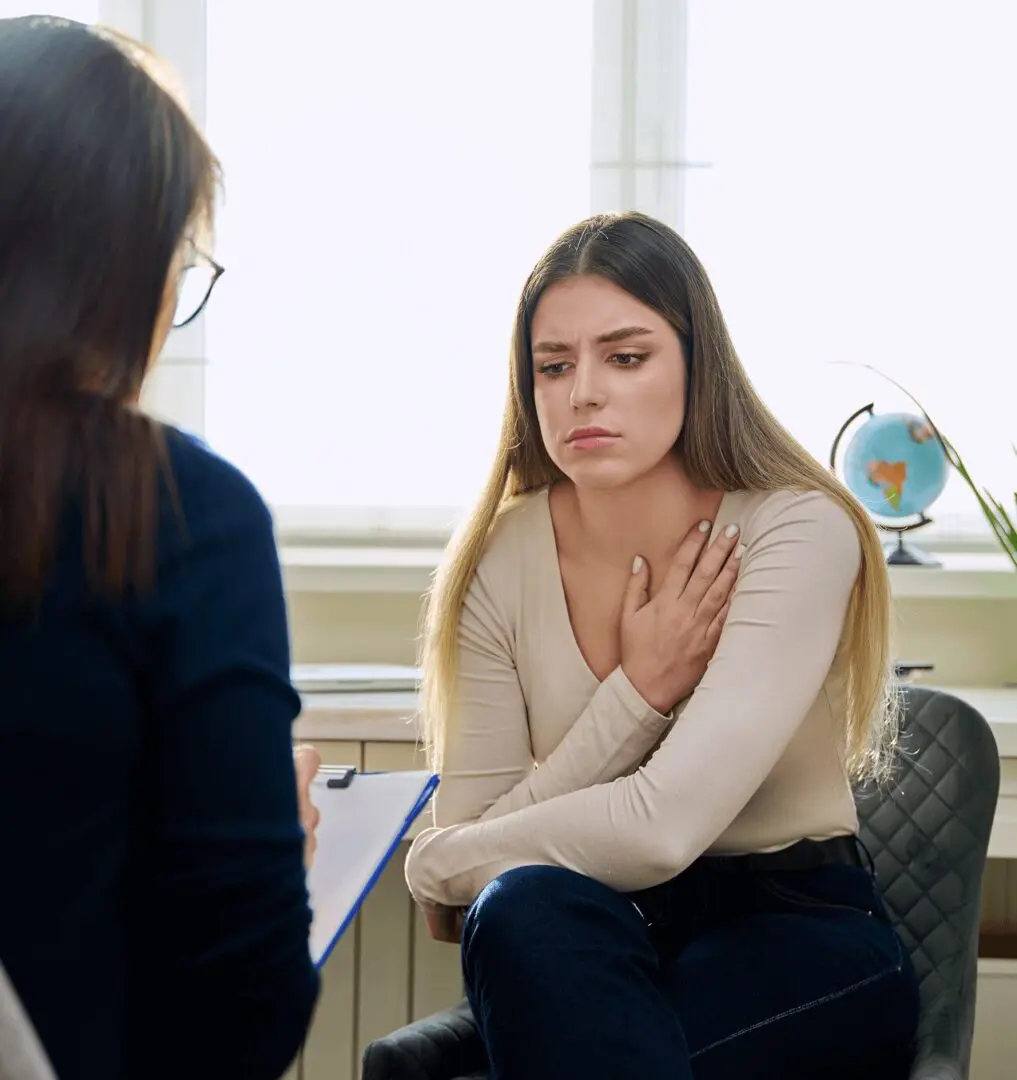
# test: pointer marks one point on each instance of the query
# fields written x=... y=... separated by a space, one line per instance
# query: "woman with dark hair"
x=153 y=916
x=667 y=606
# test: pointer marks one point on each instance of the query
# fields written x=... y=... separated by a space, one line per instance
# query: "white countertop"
x=388 y=717
x=986 y=576
x=380 y=716
x=998 y=704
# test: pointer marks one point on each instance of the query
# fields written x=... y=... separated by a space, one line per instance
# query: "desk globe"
x=896 y=467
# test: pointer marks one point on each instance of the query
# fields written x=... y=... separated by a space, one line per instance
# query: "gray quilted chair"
x=928 y=835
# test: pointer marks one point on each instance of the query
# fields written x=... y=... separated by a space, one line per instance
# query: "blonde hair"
x=730 y=441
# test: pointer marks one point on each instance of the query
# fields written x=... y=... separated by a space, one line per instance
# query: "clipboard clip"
x=336 y=776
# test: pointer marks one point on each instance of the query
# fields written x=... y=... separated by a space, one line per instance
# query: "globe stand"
x=901 y=554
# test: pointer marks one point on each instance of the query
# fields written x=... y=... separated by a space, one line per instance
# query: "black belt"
x=803 y=855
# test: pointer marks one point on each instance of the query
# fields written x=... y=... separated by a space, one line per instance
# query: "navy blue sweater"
x=153 y=907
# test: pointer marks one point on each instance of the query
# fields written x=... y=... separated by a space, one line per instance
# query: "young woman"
x=675 y=890
x=153 y=915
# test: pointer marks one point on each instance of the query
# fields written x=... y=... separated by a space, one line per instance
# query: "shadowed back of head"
x=103 y=176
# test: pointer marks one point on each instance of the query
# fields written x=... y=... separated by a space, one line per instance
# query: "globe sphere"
x=895 y=465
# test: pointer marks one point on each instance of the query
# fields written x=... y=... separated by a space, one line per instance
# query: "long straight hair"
x=729 y=441
x=103 y=174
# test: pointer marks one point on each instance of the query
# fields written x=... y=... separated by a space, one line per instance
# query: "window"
x=390 y=181
x=857 y=204
x=845 y=171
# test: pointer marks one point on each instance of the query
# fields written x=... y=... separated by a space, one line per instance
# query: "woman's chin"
x=601 y=475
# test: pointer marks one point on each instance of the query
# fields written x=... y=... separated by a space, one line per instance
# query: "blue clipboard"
x=361 y=827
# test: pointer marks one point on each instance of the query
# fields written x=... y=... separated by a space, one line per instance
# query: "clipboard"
x=364 y=817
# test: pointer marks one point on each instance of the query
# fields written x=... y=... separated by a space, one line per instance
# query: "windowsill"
x=408 y=570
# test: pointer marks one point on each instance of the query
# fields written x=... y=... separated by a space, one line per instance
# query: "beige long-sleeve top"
x=548 y=765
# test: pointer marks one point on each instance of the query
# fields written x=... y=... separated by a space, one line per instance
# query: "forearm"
x=610 y=739
x=230 y=882
x=228 y=895
x=607 y=832
x=245 y=989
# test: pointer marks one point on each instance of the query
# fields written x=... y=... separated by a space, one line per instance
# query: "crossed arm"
x=590 y=812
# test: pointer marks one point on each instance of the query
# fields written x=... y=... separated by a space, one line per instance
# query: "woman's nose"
x=587 y=387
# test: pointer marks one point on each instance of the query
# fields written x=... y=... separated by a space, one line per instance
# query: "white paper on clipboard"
x=359 y=831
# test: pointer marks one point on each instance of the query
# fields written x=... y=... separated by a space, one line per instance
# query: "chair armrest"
x=947 y=1024
x=445 y=1046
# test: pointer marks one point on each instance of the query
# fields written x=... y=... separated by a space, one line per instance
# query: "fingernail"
x=637 y=564
x=731 y=530
x=739 y=551
x=705 y=526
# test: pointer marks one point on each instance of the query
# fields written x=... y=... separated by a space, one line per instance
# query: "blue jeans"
x=723 y=972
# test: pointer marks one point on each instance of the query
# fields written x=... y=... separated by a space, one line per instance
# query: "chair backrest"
x=929 y=835
x=21 y=1054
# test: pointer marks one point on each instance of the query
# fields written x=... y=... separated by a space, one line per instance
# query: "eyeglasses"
x=197 y=280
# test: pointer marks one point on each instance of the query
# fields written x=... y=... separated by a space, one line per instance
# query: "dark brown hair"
x=103 y=176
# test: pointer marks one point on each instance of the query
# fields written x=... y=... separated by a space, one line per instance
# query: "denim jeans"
x=723 y=972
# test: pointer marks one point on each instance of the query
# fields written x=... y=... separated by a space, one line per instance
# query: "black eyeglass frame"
x=218 y=271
